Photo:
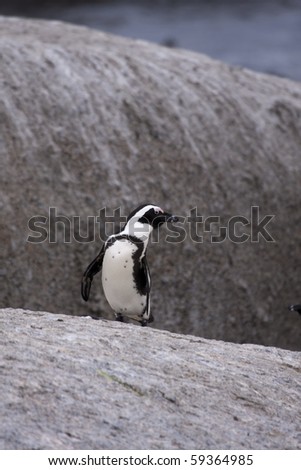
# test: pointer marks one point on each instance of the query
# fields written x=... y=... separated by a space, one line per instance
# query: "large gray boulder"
x=90 y=120
x=75 y=383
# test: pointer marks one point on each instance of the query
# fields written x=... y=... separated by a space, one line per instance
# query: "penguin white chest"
x=118 y=279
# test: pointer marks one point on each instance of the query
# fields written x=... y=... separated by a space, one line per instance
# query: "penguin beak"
x=162 y=218
x=171 y=218
x=296 y=308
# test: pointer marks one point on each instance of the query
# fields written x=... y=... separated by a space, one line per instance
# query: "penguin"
x=296 y=308
x=125 y=274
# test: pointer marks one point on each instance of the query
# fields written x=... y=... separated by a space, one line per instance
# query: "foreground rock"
x=74 y=383
x=89 y=120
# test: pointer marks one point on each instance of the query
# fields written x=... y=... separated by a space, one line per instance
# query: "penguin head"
x=149 y=217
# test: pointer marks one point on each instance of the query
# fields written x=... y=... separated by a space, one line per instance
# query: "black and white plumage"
x=125 y=273
x=296 y=308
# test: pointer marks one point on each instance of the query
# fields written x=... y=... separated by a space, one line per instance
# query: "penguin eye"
x=156 y=211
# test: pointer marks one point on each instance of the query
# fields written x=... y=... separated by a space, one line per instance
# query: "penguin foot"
x=119 y=317
x=143 y=322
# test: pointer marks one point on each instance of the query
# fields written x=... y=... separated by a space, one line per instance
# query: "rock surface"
x=75 y=383
x=88 y=120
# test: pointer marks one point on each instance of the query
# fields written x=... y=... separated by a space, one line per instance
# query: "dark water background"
x=261 y=35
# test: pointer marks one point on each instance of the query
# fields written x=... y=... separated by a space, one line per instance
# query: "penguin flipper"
x=147 y=278
x=296 y=308
x=145 y=268
x=93 y=268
